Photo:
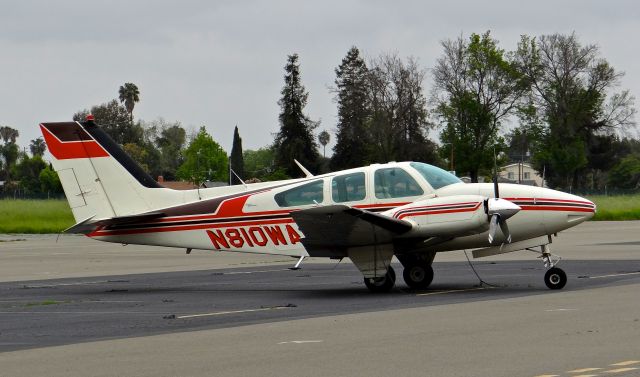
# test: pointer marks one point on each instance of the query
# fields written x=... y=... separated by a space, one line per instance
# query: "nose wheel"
x=555 y=278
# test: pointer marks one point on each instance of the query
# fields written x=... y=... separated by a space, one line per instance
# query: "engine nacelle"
x=451 y=216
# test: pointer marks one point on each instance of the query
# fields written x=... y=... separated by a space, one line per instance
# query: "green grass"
x=621 y=207
x=34 y=216
x=45 y=303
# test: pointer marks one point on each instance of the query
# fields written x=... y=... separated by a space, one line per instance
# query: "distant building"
x=522 y=173
x=176 y=185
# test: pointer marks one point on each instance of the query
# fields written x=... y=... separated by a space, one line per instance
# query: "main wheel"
x=555 y=278
x=382 y=284
x=418 y=276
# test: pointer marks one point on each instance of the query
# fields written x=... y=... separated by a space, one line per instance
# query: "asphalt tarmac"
x=242 y=317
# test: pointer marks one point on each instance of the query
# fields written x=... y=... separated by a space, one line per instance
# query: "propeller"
x=499 y=210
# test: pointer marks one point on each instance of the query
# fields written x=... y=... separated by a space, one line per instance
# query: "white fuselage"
x=259 y=221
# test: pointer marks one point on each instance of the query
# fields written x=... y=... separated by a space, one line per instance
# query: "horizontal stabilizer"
x=87 y=226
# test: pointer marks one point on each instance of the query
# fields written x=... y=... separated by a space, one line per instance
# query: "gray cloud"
x=221 y=63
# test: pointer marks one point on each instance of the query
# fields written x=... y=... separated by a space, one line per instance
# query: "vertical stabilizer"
x=99 y=179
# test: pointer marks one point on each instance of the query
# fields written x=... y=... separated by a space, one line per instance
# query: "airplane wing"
x=329 y=230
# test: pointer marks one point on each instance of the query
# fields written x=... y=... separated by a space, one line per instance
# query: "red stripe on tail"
x=80 y=146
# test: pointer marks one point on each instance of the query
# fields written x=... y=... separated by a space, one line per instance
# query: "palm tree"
x=37 y=147
x=324 y=138
x=129 y=95
x=8 y=134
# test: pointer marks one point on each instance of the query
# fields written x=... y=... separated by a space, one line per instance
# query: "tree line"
x=553 y=99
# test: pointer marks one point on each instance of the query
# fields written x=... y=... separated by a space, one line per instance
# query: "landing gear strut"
x=382 y=284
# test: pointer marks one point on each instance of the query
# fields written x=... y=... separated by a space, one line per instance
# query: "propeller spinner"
x=499 y=210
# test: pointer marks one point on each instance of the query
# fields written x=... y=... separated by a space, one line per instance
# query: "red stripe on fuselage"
x=550 y=200
x=556 y=208
x=169 y=228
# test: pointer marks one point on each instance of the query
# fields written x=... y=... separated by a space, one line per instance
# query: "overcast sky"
x=220 y=63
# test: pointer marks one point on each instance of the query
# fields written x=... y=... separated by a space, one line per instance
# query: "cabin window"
x=395 y=183
x=510 y=175
x=309 y=193
x=348 y=188
x=527 y=175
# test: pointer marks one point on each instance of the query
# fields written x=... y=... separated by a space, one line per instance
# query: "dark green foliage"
x=477 y=87
x=114 y=119
x=626 y=174
x=205 y=160
x=9 y=151
x=237 y=161
x=27 y=172
x=295 y=139
x=49 y=181
x=352 y=136
x=398 y=115
x=260 y=164
x=170 y=145
x=570 y=83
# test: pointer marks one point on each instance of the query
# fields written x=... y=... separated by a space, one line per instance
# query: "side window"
x=395 y=183
x=348 y=188
x=309 y=193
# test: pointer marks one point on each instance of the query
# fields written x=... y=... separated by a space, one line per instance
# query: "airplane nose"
x=586 y=204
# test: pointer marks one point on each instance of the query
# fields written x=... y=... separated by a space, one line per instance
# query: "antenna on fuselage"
x=306 y=172
x=237 y=176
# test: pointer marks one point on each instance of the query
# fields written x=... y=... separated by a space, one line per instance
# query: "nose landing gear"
x=554 y=278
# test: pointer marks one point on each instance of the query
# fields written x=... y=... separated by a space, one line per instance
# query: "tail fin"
x=99 y=179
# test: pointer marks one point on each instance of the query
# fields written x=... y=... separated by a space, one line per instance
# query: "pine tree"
x=237 y=161
x=351 y=149
x=295 y=139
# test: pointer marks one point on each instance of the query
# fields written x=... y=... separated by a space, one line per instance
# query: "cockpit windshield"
x=436 y=177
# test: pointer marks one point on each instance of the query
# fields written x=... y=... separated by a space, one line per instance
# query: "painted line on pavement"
x=252 y=272
x=583 y=370
x=231 y=312
x=613 y=275
x=626 y=363
x=450 y=291
x=301 y=341
x=619 y=370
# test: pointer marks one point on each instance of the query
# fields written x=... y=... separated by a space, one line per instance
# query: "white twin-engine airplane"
x=409 y=210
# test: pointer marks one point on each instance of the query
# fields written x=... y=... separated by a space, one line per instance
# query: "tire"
x=382 y=284
x=555 y=278
x=418 y=276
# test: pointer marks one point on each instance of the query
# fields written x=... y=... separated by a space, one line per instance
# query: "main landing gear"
x=417 y=273
x=382 y=284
